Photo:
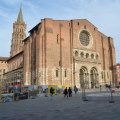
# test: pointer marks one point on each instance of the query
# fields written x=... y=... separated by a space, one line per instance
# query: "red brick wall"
x=55 y=41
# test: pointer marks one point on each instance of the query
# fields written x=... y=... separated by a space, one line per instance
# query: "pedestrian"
x=75 y=89
x=70 y=92
x=16 y=93
x=51 y=92
x=92 y=85
x=65 y=92
x=100 y=88
x=46 y=92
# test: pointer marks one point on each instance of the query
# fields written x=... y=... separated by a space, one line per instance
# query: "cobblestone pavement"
x=60 y=108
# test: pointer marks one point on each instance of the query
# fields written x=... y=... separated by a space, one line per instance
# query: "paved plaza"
x=60 y=108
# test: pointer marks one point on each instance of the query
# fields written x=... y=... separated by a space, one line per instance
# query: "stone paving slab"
x=60 y=108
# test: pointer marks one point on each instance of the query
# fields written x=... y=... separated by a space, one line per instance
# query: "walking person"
x=65 y=92
x=51 y=92
x=70 y=92
x=75 y=89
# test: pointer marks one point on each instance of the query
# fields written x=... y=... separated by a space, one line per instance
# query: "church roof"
x=27 y=38
x=35 y=27
x=12 y=57
x=3 y=58
x=20 y=16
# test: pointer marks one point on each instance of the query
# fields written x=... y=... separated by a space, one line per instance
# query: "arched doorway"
x=84 y=77
x=94 y=78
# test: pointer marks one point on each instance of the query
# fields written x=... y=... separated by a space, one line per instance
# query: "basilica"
x=60 y=52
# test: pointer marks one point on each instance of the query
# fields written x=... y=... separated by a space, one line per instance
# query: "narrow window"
x=92 y=56
x=82 y=54
x=107 y=75
x=56 y=73
x=87 y=55
x=76 y=53
x=57 y=38
x=102 y=75
x=97 y=57
x=65 y=73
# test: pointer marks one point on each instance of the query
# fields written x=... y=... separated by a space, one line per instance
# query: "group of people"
x=67 y=91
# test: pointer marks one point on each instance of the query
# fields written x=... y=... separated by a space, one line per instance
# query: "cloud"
x=6 y=17
x=9 y=2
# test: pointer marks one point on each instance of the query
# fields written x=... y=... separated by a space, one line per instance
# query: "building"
x=117 y=74
x=14 y=74
x=60 y=52
x=68 y=53
x=3 y=68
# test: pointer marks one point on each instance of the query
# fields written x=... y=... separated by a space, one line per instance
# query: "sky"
x=104 y=14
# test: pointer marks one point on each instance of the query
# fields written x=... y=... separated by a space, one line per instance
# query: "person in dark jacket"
x=51 y=91
x=70 y=92
x=65 y=92
x=75 y=89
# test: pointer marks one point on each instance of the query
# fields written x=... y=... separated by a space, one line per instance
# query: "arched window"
x=65 y=73
x=102 y=75
x=107 y=75
x=82 y=54
x=76 y=53
x=87 y=55
x=97 y=57
x=92 y=56
x=57 y=73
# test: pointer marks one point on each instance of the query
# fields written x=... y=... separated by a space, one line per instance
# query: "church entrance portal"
x=94 y=78
x=89 y=80
x=84 y=77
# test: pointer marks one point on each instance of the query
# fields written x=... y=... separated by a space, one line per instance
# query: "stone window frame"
x=108 y=75
x=90 y=36
x=97 y=56
x=92 y=56
x=87 y=55
x=76 y=53
x=102 y=76
x=57 y=73
x=65 y=73
x=84 y=38
x=57 y=38
x=82 y=54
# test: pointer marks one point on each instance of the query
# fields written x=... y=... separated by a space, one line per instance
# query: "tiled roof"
x=3 y=58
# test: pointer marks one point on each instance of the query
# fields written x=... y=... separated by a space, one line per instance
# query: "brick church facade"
x=59 y=52
x=68 y=53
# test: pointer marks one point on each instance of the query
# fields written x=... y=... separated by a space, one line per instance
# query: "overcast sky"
x=104 y=14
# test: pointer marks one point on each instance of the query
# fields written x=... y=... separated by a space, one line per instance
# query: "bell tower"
x=18 y=35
